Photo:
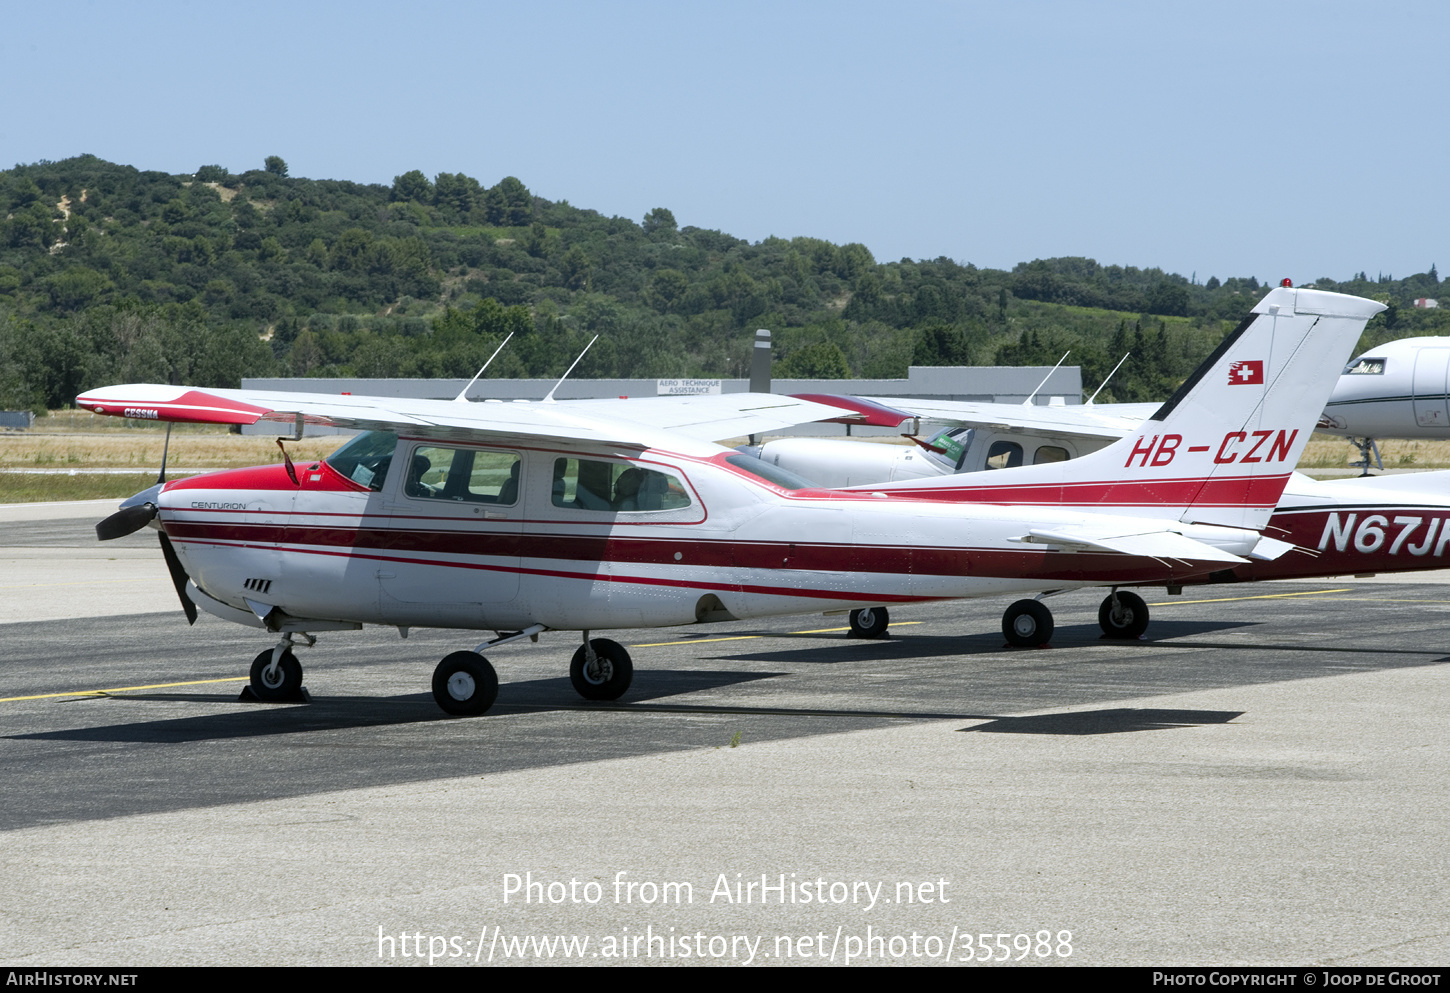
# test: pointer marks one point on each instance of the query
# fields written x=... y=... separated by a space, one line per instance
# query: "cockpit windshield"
x=1365 y=367
x=954 y=443
x=366 y=458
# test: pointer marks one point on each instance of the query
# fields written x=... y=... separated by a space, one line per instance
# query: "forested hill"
x=109 y=274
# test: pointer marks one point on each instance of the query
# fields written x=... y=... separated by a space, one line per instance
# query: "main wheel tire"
x=608 y=677
x=282 y=684
x=464 y=684
x=869 y=622
x=1027 y=624
x=1127 y=618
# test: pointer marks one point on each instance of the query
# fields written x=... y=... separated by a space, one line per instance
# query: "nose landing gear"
x=276 y=675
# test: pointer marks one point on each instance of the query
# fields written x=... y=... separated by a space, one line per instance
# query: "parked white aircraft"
x=1400 y=389
x=597 y=514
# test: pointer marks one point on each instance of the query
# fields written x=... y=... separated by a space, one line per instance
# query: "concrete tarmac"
x=1260 y=781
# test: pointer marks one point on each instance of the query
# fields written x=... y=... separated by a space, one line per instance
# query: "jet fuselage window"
x=1366 y=367
x=366 y=458
x=615 y=487
x=464 y=474
x=1004 y=455
x=1049 y=453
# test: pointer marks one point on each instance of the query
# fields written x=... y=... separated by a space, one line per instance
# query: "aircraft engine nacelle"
x=833 y=463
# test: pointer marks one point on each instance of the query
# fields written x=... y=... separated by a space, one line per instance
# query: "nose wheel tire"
x=276 y=685
x=607 y=676
x=1027 y=624
x=1123 y=615
x=464 y=684
x=870 y=622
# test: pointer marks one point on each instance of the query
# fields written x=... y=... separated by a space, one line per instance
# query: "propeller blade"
x=178 y=576
x=126 y=521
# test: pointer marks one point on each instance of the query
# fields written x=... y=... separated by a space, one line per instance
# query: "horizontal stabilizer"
x=1268 y=549
x=1151 y=544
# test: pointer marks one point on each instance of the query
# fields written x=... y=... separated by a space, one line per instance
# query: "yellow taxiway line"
x=124 y=689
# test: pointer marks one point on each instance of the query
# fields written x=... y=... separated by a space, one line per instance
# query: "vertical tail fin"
x=1221 y=449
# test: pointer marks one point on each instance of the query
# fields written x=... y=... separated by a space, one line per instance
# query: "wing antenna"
x=463 y=396
x=1109 y=376
x=1033 y=395
x=550 y=397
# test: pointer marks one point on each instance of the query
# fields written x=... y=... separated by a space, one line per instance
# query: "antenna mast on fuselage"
x=1033 y=395
x=463 y=396
x=550 y=397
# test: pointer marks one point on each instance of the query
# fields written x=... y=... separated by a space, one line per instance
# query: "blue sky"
x=1224 y=139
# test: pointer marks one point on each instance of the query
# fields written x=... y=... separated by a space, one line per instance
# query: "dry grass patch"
x=143 y=451
x=1338 y=453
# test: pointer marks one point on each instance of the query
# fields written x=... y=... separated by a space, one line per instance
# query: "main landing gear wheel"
x=869 y=623
x=279 y=683
x=1027 y=624
x=604 y=677
x=464 y=684
x=1123 y=615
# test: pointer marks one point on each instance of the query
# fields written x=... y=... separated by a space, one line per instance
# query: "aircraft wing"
x=1108 y=421
x=642 y=420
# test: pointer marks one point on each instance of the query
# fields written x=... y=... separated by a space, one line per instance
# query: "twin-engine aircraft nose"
x=136 y=512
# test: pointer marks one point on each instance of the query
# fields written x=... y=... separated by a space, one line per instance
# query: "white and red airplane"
x=595 y=514
x=1386 y=524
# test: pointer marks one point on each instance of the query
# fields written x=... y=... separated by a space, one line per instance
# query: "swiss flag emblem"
x=1246 y=372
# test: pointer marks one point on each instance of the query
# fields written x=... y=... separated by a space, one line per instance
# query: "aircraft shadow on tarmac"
x=351 y=712
x=1114 y=721
x=925 y=646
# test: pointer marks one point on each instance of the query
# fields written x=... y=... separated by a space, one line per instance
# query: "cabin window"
x=1004 y=455
x=467 y=475
x=615 y=487
x=1050 y=453
x=1366 y=367
x=366 y=458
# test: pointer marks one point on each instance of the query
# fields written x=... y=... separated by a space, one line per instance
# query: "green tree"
x=660 y=220
x=666 y=288
x=509 y=204
x=413 y=185
x=823 y=360
x=456 y=192
x=276 y=165
x=1168 y=298
x=576 y=266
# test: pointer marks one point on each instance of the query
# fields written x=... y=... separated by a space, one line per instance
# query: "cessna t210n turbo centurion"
x=588 y=515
